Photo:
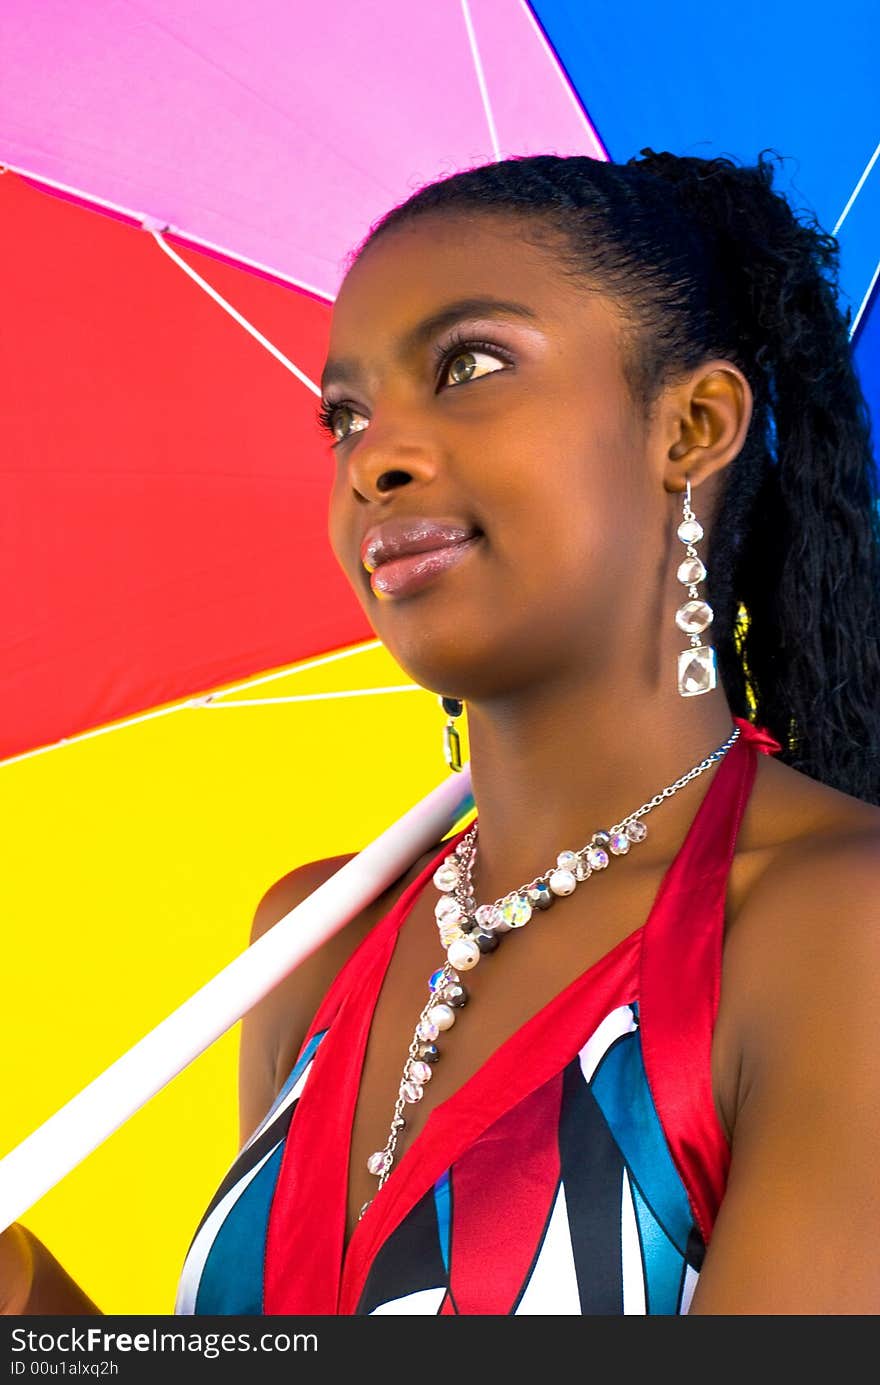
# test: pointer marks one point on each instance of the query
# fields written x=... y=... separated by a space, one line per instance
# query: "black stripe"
x=408 y=1261
x=592 y=1176
x=696 y=1249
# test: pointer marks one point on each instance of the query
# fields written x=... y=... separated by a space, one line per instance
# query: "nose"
x=378 y=466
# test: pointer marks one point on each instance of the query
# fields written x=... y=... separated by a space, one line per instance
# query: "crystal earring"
x=453 y=707
x=697 y=667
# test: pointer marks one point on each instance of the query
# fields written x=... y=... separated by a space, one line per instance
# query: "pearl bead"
x=441 y=1017
x=463 y=953
x=562 y=882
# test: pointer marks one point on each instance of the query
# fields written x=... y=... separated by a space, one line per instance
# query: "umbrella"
x=164 y=489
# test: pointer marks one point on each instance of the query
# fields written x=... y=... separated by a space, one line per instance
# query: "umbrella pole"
x=44 y=1157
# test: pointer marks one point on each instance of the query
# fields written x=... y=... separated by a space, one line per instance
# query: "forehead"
x=459 y=254
x=404 y=282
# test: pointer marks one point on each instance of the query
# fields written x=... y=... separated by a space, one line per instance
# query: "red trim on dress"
x=305 y=1270
x=306 y=1230
x=680 y=982
x=533 y=1055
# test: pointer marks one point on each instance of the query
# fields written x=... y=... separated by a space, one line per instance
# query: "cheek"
x=561 y=501
x=568 y=534
x=340 y=521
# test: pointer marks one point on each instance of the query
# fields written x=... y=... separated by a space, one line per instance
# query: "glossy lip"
x=397 y=538
x=412 y=571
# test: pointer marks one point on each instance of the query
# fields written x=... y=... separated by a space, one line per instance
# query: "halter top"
x=579 y=1170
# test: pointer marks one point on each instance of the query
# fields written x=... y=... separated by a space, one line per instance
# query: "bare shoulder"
x=805 y=938
x=799 y=1227
x=818 y=849
x=273 y=1030
x=790 y=812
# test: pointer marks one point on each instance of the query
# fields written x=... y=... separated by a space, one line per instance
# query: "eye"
x=330 y=417
x=458 y=359
x=462 y=360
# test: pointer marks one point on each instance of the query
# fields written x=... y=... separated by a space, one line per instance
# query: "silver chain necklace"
x=469 y=931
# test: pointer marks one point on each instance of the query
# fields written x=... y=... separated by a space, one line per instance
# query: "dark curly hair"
x=704 y=259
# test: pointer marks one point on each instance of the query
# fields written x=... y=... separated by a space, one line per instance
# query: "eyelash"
x=442 y=356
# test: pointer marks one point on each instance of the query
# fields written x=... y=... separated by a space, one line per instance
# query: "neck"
x=551 y=766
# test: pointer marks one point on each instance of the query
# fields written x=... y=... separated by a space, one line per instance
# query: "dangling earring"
x=453 y=707
x=697 y=668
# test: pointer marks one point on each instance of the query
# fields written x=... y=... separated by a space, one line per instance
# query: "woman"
x=604 y=477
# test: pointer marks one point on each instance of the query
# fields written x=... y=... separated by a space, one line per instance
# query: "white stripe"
x=194 y=1263
x=856 y=190
x=619 y=1022
x=233 y=312
x=552 y=1287
x=691 y=1279
x=424 y=1301
x=481 y=80
x=210 y=702
x=631 y=1253
x=209 y=699
x=275 y=1111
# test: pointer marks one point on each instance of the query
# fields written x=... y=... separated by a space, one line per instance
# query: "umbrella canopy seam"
x=211 y=700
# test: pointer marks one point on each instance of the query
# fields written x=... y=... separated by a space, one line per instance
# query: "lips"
x=411 y=572
x=400 y=538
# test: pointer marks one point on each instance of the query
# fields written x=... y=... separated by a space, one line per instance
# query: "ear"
x=704 y=423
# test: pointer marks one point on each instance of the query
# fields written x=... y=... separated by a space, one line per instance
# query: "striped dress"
x=578 y=1171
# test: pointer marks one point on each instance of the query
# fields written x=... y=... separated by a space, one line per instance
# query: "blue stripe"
x=620 y=1086
x=232 y=1276
x=664 y=1265
x=443 y=1206
x=299 y=1068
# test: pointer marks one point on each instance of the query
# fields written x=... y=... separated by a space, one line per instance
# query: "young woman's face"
x=531 y=442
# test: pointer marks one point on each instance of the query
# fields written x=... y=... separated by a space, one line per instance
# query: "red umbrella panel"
x=164 y=484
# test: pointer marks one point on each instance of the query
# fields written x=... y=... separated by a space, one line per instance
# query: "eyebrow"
x=350 y=368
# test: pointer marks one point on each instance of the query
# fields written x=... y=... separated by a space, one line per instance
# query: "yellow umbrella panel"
x=135 y=858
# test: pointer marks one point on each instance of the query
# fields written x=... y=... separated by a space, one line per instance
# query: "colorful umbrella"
x=164 y=488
